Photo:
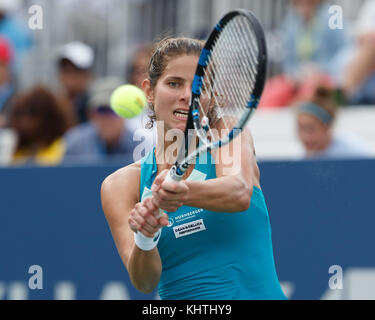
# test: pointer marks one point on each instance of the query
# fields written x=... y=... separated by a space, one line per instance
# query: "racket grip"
x=161 y=212
x=172 y=176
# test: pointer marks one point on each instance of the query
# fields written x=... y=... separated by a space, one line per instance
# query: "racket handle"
x=161 y=212
x=172 y=176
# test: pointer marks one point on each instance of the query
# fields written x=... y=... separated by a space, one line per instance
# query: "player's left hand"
x=168 y=196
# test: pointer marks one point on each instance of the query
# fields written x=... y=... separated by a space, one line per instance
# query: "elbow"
x=143 y=282
x=144 y=289
x=244 y=196
x=244 y=202
x=143 y=286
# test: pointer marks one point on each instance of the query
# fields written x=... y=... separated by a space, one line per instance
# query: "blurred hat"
x=366 y=18
x=101 y=90
x=78 y=53
x=9 y=6
x=6 y=51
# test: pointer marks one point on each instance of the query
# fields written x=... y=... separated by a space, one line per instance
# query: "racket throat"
x=175 y=173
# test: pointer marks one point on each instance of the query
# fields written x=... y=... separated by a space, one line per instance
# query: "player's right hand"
x=143 y=218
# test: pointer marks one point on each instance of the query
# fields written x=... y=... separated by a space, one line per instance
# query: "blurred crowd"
x=74 y=122
x=324 y=69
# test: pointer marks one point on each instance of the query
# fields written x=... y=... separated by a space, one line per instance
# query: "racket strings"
x=230 y=75
x=245 y=71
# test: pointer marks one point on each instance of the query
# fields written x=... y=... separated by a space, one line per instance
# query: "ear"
x=149 y=92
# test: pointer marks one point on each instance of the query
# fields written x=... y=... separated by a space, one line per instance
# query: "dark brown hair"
x=325 y=98
x=165 y=50
x=41 y=103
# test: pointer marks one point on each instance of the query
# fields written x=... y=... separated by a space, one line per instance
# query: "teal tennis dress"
x=209 y=255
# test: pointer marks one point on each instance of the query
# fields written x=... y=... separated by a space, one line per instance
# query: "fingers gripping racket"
x=227 y=85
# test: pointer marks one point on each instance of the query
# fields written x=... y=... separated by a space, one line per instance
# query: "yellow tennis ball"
x=128 y=101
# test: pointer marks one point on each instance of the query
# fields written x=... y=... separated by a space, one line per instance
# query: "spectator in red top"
x=7 y=85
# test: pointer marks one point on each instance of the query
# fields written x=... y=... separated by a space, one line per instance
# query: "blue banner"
x=56 y=244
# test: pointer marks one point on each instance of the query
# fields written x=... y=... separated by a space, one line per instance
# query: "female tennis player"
x=214 y=239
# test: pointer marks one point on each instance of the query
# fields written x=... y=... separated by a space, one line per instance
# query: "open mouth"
x=181 y=114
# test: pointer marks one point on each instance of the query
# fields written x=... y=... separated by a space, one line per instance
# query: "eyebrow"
x=174 y=78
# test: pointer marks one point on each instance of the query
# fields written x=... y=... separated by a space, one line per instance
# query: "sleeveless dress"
x=209 y=255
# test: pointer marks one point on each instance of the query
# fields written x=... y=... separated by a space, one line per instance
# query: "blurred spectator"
x=315 y=121
x=7 y=85
x=310 y=46
x=135 y=74
x=39 y=125
x=8 y=141
x=14 y=31
x=105 y=136
x=75 y=63
x=357 y=61
x=310 y=43
x=137 y=69
x=282 y=91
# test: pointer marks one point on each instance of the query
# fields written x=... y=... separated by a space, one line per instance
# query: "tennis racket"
x=227 y=86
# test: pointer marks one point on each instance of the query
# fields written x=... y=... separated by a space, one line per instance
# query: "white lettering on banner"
x=288 y=288
x=115 y=290
x=2 y=291
x=17 y=291
x=358 y=284
x=65 y=290
x=189 y=228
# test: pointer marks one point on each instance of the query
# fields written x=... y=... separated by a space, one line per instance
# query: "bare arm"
x=124 y=214
x=232 y=189
x=362 y=64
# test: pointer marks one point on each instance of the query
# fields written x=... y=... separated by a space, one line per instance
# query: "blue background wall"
x=322 y=214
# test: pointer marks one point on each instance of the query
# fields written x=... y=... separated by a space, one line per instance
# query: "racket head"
x=228 y=83
x=233 y=67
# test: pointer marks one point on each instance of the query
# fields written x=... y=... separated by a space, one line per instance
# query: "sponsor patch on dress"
x=189 y=228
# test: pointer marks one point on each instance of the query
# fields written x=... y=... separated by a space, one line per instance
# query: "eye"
x=173 y=84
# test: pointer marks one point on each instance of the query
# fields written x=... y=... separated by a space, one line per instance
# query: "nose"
x=185 y=94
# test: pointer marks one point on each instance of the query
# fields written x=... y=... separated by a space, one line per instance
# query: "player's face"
x=314 y=135
x=171 y=95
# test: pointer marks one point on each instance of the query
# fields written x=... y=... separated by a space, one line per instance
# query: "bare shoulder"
x=122 y=185
x=122 y=175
